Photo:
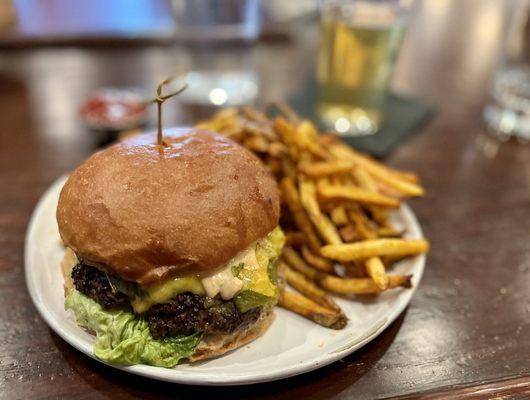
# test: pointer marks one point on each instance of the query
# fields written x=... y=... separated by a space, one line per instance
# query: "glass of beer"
x=360 y=40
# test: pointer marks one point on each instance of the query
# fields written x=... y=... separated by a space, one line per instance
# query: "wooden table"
x=467 y=329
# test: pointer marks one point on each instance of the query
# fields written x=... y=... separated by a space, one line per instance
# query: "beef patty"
x=184 y=313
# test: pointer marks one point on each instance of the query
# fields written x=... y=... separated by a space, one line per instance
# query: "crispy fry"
x=325 y=168
x=256 y=115
x=288 y=167
x=308 y=129
x=296 y=141
x=359 y=220
x=320 y=263
x=376 y=270
x=287 y=111
x=361 y=285
x=275 y=166
x=355 y=269
x=257 y=144
x=291 y=257
x=387 y=190
x=327 y=139
x=352 y=193
x=365 y=181
x=290 y=194
x=295 y=239
x=330 y=194
x=349 y=233
x=377 y=170
x=277 y=149
x=374 y=248
x=389 y=232
x=310 y=310
x=310 y=290
x=338 y=216
x=325 y=227
x=256 y=130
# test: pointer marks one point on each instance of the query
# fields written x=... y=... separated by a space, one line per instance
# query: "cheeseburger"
x=170 y=250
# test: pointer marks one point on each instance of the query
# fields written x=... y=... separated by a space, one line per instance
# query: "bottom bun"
x=216 y=345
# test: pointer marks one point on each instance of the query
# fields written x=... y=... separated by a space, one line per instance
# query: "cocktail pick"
x=160 y=98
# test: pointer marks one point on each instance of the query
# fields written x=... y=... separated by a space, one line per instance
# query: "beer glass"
x=360 y=41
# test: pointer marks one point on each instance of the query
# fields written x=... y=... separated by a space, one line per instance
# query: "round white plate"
x=292 y=345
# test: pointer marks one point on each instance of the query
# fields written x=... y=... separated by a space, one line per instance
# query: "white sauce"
x=223 y=281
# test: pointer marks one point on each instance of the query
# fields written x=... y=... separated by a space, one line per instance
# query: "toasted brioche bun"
x=145 y=212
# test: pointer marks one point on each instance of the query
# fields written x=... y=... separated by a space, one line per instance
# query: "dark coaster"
x=403 y=117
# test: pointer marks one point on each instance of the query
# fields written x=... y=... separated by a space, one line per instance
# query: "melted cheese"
x=253 y=276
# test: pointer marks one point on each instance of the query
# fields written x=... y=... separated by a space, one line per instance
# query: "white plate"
x=293 y=345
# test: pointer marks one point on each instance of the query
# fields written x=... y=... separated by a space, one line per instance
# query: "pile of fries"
x=335 y=211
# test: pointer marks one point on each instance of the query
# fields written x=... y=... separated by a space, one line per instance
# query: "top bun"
x=145 y=212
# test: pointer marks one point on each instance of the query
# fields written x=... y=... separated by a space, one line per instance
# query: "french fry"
x=317 y=262
x=355 y=269
x=361 y=285
x=253 y=130
x=277 y=149
x=287 y=111
x=376 y=270
x=275 y=166
x=257 y=144
x=349 y=233
x=338 y=216
x=296 y=141
x=307 y=308
x=310 y=290
x=352 y=193
x=290 y=194
x=387 y=190
x=331 y=194
x=256 y=115
x=359 y=220
x=389 y=232
x=325 y=168
x=291 y=258
x=295 y=239
x=374 y=248
x=308 y=129
x=365 y=181
x=377 y=170
x=324 y=226
x=288 y=168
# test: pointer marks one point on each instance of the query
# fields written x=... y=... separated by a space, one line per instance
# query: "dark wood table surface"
x=467 y=328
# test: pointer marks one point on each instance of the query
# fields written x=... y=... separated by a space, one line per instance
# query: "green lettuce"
x=122 y=338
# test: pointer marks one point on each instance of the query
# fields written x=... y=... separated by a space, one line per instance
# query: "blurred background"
x=373 y=71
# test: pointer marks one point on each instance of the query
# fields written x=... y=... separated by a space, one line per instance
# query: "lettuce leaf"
x=122 y=338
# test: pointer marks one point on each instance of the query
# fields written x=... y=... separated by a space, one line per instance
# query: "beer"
x=356 y=60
